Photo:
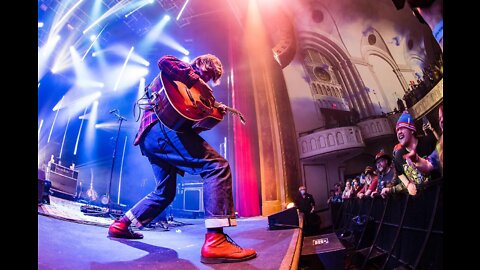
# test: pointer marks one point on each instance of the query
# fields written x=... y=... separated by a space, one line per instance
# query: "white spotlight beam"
x=40 y=128
x=121 y=169
x=181 y=10
x=123 y=69
x=154 y=33
x=63 y=141
x=170 y=42
x=105 y=15
x=54 y=119
x=79 y=131
x=139 y=59
x=73 y=103
x=140 y=5
x=90 y=129
x=141 y=88
x=93 y=42
x=66 y=16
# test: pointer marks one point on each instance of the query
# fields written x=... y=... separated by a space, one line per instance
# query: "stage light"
x=93 y=37
x=40 y=24
x=186 y=59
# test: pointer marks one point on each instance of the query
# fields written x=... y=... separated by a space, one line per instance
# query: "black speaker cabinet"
x=324 y=252
x=44 y=191
x=285 y=219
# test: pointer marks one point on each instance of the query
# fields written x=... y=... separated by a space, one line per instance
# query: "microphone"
x=115 y=111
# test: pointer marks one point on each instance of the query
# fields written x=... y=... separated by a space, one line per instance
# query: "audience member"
x=370 y=183
x=409 y=176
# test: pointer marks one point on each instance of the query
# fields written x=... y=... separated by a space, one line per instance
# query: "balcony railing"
x=330 y=140
x=376 y=128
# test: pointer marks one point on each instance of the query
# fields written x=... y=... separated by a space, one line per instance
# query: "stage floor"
x=63 y=244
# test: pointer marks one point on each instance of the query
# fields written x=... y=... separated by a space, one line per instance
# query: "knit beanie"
x=405 y=121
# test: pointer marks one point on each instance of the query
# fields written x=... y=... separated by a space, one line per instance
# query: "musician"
x=171 y=153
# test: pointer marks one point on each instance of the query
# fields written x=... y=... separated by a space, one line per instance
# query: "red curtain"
x=245 y=145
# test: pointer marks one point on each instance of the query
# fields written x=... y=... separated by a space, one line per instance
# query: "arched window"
x=339 y=138
x=322 y=142
x=313 y=143
x=304 y=147
x=331 y=140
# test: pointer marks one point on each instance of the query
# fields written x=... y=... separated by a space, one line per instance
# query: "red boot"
x=119 y=229
x=220 y=248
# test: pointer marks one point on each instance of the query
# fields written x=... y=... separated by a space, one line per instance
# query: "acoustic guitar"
x=181 y=108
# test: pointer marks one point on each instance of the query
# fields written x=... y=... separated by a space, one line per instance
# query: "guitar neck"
x=232 y=110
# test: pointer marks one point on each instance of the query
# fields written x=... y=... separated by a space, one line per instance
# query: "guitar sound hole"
x=205 y=101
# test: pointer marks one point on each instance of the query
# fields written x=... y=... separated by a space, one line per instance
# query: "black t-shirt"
x=425 y=147
x=386 y=180
x=304 y=204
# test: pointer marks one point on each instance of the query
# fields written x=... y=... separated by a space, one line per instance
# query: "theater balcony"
x=342 y=141
x=428 y=102
x=377 y=128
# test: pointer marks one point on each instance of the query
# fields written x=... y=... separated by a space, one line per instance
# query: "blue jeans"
x=170 y=153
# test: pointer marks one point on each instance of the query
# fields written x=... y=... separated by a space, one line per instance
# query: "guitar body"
x=182 y=109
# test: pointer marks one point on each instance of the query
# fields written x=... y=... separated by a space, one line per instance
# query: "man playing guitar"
x=172 y=151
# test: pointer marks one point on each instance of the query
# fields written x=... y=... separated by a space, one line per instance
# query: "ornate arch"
x=347 y=74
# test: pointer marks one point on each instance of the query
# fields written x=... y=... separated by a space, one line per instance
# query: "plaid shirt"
x=175 y=69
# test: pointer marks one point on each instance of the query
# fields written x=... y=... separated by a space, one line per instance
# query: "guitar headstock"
x=242 y=119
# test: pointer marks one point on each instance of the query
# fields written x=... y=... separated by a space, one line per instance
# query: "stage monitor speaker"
x=323 y=252
x=285 y=219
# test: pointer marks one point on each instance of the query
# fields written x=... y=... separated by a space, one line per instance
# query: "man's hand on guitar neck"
x=222 y=108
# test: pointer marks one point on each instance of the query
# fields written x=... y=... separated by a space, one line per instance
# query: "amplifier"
x=63 y=179
x=59 y=169
x=62 y=183
x=193 y=199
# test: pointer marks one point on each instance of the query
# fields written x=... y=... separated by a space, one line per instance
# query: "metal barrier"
x=399 y=231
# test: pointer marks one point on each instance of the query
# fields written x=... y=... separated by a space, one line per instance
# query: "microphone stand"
x=109 y=209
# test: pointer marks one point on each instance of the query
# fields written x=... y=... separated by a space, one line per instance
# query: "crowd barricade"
x=401 y=231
